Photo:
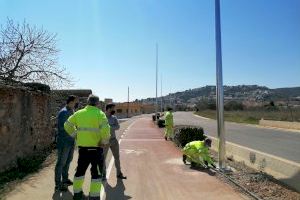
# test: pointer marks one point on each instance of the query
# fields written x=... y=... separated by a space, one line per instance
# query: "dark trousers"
x=86 y=157
x=64 y=158
x=115 y=149
x=89 y=156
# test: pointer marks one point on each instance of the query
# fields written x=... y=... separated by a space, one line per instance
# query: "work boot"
x=57 y=188
x=121 y=176
x=68 y=182
x=78 y=196
x=63 y=188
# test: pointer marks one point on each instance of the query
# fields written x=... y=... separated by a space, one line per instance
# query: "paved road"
x=153 y=166
x=155 y=170
x=281 y=143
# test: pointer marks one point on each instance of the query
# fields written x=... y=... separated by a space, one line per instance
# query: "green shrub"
x=185 y=135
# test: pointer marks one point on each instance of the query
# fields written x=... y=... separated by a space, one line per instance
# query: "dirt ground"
x=259 y=183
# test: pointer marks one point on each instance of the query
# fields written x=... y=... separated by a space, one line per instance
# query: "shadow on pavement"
x=205 y=170
x=117 y=192
x=292 y=182
x=62 y=196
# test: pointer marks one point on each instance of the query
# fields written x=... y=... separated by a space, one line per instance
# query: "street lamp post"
x=128 y=103
x=161 y=96
x=156 y=101
x=220 y=89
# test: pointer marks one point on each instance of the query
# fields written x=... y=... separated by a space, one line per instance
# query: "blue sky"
x=109 y=45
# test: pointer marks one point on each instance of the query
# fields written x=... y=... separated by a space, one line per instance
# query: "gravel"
x=259 y=183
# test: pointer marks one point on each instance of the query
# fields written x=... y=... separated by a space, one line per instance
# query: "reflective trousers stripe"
x=77 y=184
x=95 y=187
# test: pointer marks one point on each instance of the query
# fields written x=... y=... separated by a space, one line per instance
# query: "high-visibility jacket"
x=169 y=120
x=197 y=152
x=89 y=126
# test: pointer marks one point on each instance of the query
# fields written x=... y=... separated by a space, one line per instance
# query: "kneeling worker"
x=197 y=152
x=92 y=132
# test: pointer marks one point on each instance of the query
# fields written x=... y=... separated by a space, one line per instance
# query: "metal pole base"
x=224 y=170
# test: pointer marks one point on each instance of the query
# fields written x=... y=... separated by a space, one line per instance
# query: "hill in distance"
x=238 y=93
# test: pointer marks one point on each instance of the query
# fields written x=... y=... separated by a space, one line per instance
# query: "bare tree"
x=30 y=54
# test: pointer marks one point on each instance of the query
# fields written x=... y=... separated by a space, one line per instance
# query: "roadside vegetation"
x=237 y=112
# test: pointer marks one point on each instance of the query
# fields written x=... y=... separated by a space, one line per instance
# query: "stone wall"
x=59 y=97
x=24 y=123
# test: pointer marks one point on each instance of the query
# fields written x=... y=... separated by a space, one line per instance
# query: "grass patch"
x=23 y=168
x=253 y=116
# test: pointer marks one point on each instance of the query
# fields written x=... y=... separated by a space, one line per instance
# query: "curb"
x=281 y=169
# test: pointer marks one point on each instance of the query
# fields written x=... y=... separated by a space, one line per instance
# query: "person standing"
x=113 y=142
x=169 y=124
x=65 y=146
x=92 y=132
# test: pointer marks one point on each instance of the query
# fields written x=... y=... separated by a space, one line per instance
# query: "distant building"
x=131 y=109
x=108 y=101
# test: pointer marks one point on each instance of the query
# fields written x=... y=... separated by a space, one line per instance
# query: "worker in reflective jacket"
x=169 y=124
x=197 y=152
x=92 y=132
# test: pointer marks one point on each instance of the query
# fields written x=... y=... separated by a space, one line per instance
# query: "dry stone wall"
x=24 y=123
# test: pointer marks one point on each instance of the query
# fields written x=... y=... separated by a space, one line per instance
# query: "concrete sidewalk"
x=155 y=170
x=40 y=186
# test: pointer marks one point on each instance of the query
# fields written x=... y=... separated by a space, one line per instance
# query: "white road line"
x=201 y=117
x=111 y=163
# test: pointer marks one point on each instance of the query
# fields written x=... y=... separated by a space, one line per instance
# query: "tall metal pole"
x=156 y=101
x=161 y=96
x=128 y=103
x=219 y=90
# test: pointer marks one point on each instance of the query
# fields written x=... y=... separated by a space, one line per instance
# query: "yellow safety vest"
x=169 y=119
x=89 y=126
x=196 y=150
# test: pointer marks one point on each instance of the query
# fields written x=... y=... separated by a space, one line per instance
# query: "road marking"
x=111 y=162
x=201 y=117
x=132 y=151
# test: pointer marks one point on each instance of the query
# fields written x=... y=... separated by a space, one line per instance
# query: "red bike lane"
x=155 y=170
